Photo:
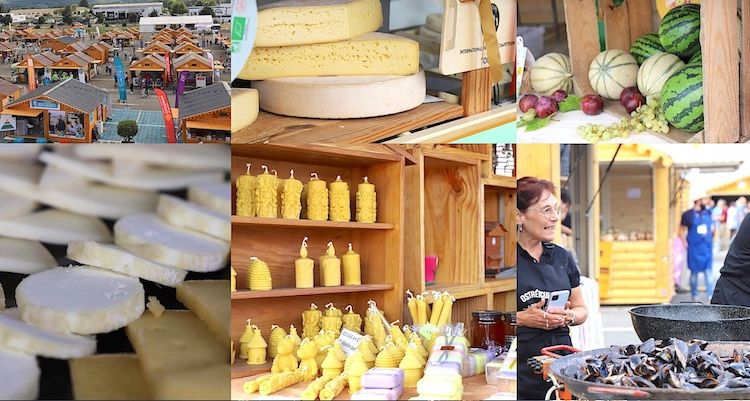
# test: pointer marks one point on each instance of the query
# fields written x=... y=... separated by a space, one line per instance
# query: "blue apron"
x=700 y=241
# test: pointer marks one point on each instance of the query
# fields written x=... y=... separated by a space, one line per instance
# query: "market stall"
x=199 y=70
x=57 y=44
x=152 y=68
x=79 y=65
x=204 y=114
x=187 y=47
x=41 y=64
x=156 y=47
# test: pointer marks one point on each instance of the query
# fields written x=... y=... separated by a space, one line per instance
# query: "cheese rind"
x=79 y=300
x=245 y=106
x=192 y=216
x=370 y=54
x=20 y=336
x=14 y=205
x=20 y=375
x=55 y=227
x=150 y=237
x=108 y=377
x=321 y=97
x=216 y=196
x=23 y=256
x=111 y=257
x=186 y=156
x=289 y=23
x=209 y=300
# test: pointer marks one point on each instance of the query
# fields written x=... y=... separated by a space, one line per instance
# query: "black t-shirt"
x=737 y=263
x=555 y=271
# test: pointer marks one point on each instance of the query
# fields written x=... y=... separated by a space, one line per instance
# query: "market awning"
x=22 y=112
x=194 y=69
x=213 y=125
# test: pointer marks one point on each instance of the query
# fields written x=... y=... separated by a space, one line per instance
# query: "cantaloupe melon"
x=550 y=73
x=655 y=71
x=612 y=71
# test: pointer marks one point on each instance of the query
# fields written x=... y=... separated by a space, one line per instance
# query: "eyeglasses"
x=548 y=211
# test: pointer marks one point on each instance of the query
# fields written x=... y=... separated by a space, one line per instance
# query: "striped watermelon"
x=682 y=98
x=656 y=71
x=550 y=73
x=679 y=32
x=645 y=46
x=697 y=58
x=611 y=72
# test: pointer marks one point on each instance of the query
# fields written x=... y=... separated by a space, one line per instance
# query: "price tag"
x=349 y=341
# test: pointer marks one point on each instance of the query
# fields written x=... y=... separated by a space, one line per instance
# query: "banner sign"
x=120 y=73
x=169 y=67
x=44 y=104
x=31 y=75
x=167 y=112
x=180 y=87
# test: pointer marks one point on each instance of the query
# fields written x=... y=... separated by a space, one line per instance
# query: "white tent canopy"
x=149 y=24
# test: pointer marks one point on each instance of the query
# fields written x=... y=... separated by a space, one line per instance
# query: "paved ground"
x=150 y=126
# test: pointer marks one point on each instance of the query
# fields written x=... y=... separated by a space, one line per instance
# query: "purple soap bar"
x=385 y=378
x=377 y=394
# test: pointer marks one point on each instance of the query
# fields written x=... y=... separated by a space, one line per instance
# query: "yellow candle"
x=331 y=266
x=437 y=308
x=354 y=368
x=398 y=336
x=291 y=198
x=306 y=354
x=352 y=269
x=317 y=199
x=285 y=359
x=311 y=321
x=258 y=275
x=303 y=269
x=333 y=388
x=367 y=355
x=331 y=366
x=352 y=321
x=246 y=194
x=445 y=313
x=332 y=320
x=256 y=349
x=234 y=280
x=412 y=367
x=313 y=389
x=366 y=202
x=245 y=339
x=411 y=302
x=279 y=191
x=295 y=339
x=277 y=334
x=421 y=310
x=338 y=198
x=266 y=194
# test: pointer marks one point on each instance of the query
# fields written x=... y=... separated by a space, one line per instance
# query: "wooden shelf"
x=500 y=285
x=499 y=182
x=273 y=128
x=298 y=292
x=459 y=291
x=302 y=223
x=320 y=154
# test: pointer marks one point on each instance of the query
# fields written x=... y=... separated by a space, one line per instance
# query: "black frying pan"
x=595 y=391
x=689 y=321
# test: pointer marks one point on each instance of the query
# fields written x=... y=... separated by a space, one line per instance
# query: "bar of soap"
x=64 y=191
x=108 y=377
x=244 y=99
x=382 y=378
x=57 y=227
x=80 y=300
x=443 y=384
x=378 y=394
x=297 y=22
x=114 y=258
x=174 y=342
x=216 y=196
x=146 y=178
x=20 y=376
x=208 y=156
x=370 y=54
x=150 y=237
x=202 y=383
x=208 y=299
x=14 y=205
x=320 y=97
x=24 y=256
x=20 y=336
x=192 y=216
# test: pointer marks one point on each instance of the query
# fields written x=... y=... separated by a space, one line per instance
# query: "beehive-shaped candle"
x=277 y=334
x=291 y=197
x=387 y=358
x=285 y=360
x=406 y=329
x=246 y=194
x=413 y=367
x=233 y=281
x=367 y=204
x=306 y=354
x=333 y=388
x=256 y=349
x=417 y=341
x=330 y=265
x=303 y=270
x=352 y=321
x=258 y=275
x=247 y=335
x=338 y=200
x=398 y=351
x=331 y=366
x=367 y=355
x=266 y=194
x=351 y=267
x=311 y=321
x=317 y=199
x=296 y=339
x=354 y=368
x=339 y=350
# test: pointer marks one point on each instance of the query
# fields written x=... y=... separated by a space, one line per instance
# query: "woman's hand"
x=537 y=318
x=567 y=314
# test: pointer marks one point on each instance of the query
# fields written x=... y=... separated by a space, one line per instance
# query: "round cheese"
x=20 y=336
x=192 y=216
x=54 y=226
x=20 y=376
x=216 y=196
x=24 y=257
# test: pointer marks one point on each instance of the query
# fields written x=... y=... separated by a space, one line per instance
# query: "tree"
x=99 y=18
x=84 y=3
x=67 y=15
x=153 y=13
x=41 y=20
x=177 y=7
x=127 y=129
x=132 y=18
x=206 y=10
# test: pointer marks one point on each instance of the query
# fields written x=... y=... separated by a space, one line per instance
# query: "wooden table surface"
x=475 y=388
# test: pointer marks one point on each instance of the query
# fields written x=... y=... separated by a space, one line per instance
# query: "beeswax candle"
x=266 y=194
x=331 y=366
x=354 y=368
x=277 y=334
x=445 y=313
x=331 y=266
x=246 y=194
x=398 y=336
x=332 y=320
x=233 y=280
x=281 y=381
x=421 y=310
x=258 y=275
x=303 y=269
x=413 y=365
x=366 y=202
x=247 y=335
x=411 y=303
x=291 y=197
x=317 y=199
x=367 y=355
x=256 y=349
x=437 y=307
x=352 y=321
x=352 y=269
x=296 y=339
x=333 y=388
x=313 y=389
x=306 y=354
x=285 y=359
x=338 y=200
x=311 y=321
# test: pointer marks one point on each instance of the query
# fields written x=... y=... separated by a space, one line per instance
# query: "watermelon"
x=697 y=58
x=656 y=71
x=611 y=72
x=680 y=31
x=550 y=73
x=682 y=98
x=645 y=46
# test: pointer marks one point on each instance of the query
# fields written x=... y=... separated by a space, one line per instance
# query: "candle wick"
x=248 y=165
x=314 y=175
x=276 y=173
x=265 y=168
x=366 y=179
x=338 y=178
x=349 y=308
x=291 y=173
x=312 y=305
x=350 y=246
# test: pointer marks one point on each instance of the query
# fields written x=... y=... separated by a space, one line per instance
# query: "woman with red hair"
x=543 y=268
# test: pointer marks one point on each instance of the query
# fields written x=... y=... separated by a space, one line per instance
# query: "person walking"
x=697 y=232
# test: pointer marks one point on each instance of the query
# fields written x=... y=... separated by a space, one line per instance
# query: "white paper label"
x=633 y=193
x=702 y=229
x=349 y=340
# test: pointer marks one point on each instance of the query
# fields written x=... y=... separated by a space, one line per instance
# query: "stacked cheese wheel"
x=66 y=199
x=323 y=59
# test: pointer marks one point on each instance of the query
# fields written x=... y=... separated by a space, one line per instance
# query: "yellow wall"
x=540 y=161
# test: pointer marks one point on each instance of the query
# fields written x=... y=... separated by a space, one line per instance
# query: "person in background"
x=719 y=216
x=565 y=212
x=742 y=210
x=543 y=267
x=733 y=221
x=733 y=286
x=697 y=232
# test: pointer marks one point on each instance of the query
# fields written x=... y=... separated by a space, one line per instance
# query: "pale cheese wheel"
x=14 y=205
x=192 y=216
x=550 y=73
x=341 y=97
x=80 y=300
x=246 y=101
x=25 y=151
x=434 y=22
x=216 y=196
x=24 y=257
x=53 y=226
x=21 y=336
x=655 y=72
x=20 y=375
x=612 y=71
x=185 y=156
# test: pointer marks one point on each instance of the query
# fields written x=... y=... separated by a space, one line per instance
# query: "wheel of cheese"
x=14 y=205
x=80 y=300
x=20 y=376
x=24 y=257
x=216 y=196
x=52 y=226
x=244 y=99
x=196 y=158
x=341 y=97
x=21 y=336
x=192 y=216
x=26 y=151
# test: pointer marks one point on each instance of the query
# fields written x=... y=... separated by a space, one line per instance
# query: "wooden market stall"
x=41 y=64
x=62 y=111
x=99 y=52
x=57 y=44
x=187 y=47
x=156 y=47
x=76 y=65
x=732 y=189
x=8 y=93
x=73 y=48
x=198 y=68
x=205 y=115
x=152 y=68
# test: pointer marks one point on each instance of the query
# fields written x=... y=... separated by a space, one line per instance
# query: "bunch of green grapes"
x=647 y=117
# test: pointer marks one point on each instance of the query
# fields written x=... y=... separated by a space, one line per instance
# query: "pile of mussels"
x=669 y=363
